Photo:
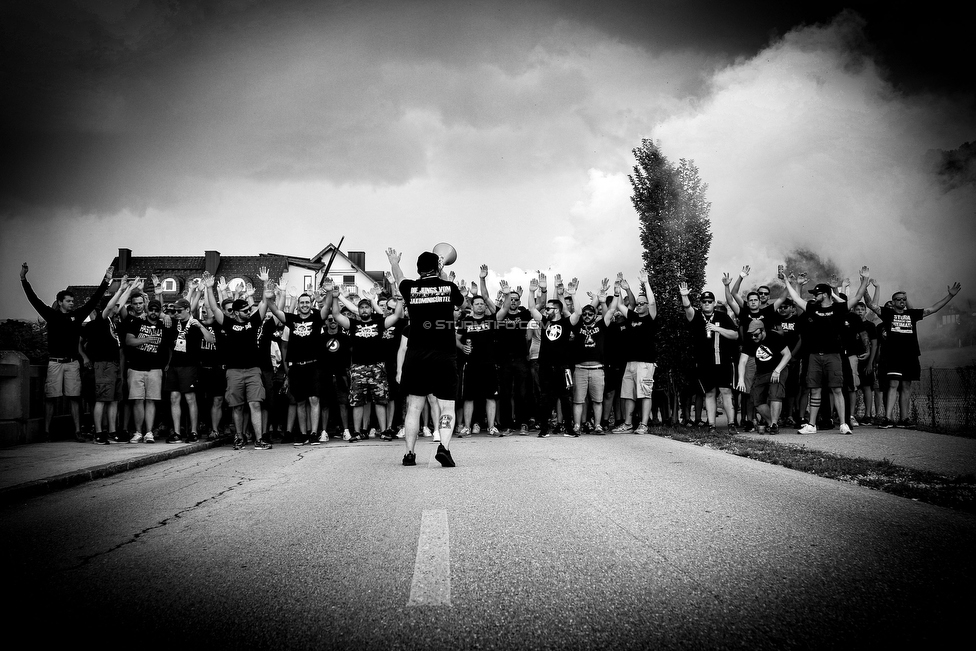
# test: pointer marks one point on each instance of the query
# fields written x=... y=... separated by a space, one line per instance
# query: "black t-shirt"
x=590 y=341
x=431 y=302
x=823 y=329
x=272 y=331
x=614 y=352
x=101 y=339
x=367 y=339
x=640 y=338
x=768 y=315
x=555 y=349
x=304 y=336
x=186 y=345
x=511 y=342
x=480 y=333
x=240 y=343
x=853 y=327
x=153 y=354
x=791 y=329
x=902 y=332
x=336 y=352
x=711 y=347
x=768 y=352
x=210 y=356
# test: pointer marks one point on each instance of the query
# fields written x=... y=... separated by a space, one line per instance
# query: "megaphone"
x=446 y=252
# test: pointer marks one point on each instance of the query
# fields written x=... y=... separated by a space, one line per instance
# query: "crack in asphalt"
x=162 y=523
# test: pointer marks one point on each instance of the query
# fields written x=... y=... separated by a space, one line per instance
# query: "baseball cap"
x=154 y=303
x=427 y=261
x=707 y=295
x=182 y=303
x=239 y=304
x=589 y=308
x=822 y=288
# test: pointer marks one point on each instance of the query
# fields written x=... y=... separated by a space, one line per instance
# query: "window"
x=308 y=283
x=170 y=285
x=349 y=280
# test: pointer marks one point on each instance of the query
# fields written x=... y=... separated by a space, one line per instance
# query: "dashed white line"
x=432 y=570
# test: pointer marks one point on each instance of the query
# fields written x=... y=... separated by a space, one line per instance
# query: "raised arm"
x=731 y=299
x=686 y=301
x=490 y=305
x=208 y=283
x=795 y=295
x=738 y=283
x=865 y=275
x=394 y=259
x=941 y=303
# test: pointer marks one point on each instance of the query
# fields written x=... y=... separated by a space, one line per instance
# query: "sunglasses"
x=763 y=293
x=707 y=301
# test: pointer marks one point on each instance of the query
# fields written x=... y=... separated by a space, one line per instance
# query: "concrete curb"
x=27 y=490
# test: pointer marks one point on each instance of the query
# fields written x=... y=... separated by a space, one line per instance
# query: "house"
x=296 y=274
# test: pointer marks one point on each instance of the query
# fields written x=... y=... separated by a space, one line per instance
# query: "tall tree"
x=676 y=235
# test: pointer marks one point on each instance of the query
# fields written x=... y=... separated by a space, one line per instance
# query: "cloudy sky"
x=505 y=128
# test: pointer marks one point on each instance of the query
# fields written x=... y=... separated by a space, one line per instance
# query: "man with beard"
x=213 y=375
x=336 y=355
x=476 y=341
x=555 y=362
x=148 y=346
x=640 y=351
x=771 y=354
x=823 y=333
x=183 y=373
x=300 y=357
x=900 y=352
x=427 y=362
x=714 y=338
x=588 y=374
x=245 y=384
x=789 y=326
x=367 y=369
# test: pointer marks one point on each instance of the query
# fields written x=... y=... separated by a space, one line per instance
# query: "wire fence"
x=944 y=400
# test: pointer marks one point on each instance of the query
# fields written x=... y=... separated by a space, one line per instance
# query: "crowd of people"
x=434 y=357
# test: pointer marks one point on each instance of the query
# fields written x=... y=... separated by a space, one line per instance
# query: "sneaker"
x=174 y=438
x=904 y=423
x=101 y=439
x=323 y=438
x=238 y=443
x=193 y=437
x=149 y=438
x=807 y=429
x=524 y=430
x=622 y=428
x=262 y=445
x=641 y=429
x=388 y=435
x=354 y=436
x=400 y=434
x=437 y=436
x=493 y=431
x=773 y=429
x=748 y=427
x=410 y=459
x=885 y=423
x=464 y=431
x=346 y=436
x=372 y=433
x=712 y=429
x=476 y=429
x=425 y=431
x=302 y=440
x=543 y=434
x=573 y=433
x=599 y=430
x=854 y=422
x=121 y=436
x=845 y=429
x=444 y=457
x=732 y=430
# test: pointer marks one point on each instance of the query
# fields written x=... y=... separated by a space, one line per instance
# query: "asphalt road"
x=600 y=542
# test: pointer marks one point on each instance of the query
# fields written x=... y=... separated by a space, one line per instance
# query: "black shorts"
x=478 y=381
x=430 y=372
x=765 y=390
x=613 y=375
x=182 y=379
x=304 y=381
x=715 y=376
x=901 y=366
x=213 y=380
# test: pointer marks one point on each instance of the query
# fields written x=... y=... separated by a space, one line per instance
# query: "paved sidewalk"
x=39 y=468
x=940 y=453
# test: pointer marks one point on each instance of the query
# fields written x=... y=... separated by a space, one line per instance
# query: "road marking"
x=432 y=570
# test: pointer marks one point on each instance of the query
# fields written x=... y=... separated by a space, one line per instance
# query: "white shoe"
x=149 y=438
x=476 y=429
x=400 y=434
x=437 y=436
x=808 y=429
x=372 y=433
x=425 y=432
x=854 y=422
x=845 y=429
x=324 y=438
x=136 y=438
x=346 y=436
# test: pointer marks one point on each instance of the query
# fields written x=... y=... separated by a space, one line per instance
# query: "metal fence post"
x=932 y=394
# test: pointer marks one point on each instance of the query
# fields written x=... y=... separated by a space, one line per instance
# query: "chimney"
x=125 y=256
x=358 y=258
x=212 y=261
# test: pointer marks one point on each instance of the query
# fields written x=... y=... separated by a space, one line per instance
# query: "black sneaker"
x=543 y=434
x=885 y=423
x=749 y=427
x=388 y=435
x=410 y=459
x=262 y=445
x=192 y=437
x=355 y=436
x=101 y=439
x=174 y=438
x=732 y=430
x=302 y=440
x=904 y=423
x=238 y=444
x=120 y=436
x=444 y=457
x=773 y=429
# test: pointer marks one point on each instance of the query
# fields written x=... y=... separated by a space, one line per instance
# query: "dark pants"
x=514 y=379
x=554 y=387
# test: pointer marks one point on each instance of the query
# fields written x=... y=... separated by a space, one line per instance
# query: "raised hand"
x=605 y=287
x=222 y=284
x=368 y=293
x=451 y=276
x=642 y=276
x=390 y=279
x=207 y=279
x=155 y=281
x=484 y=271
x=802 y=279
x=624 y=285
x=263 y=274
x=518 y=290
x=780 y=272
x=533 y=285
x=392 y=256
x=328 y=284
x=745 y=271
x=23 y=271
x=542 y=280
x=954 y=289
x=463 y=289
x=474 y=288
x=726 y=279
x=249 y=288
x=504 y=285
x=572 y=287
x=108 y=274
x=683 y=288
x=864 y=272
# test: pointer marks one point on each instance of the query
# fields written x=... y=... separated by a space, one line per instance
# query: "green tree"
x=676 y=235
x=28 y=337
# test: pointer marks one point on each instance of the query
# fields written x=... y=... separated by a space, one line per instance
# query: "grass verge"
x=952 y=492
